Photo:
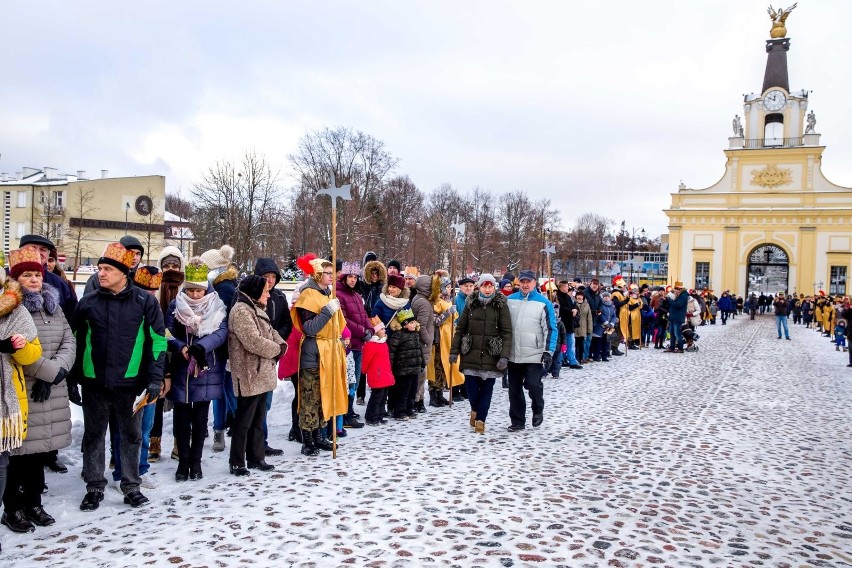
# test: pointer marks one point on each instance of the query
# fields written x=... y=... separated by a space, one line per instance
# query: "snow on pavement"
x=737 y=455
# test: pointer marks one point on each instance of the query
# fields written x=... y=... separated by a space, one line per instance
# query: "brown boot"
x=472 y=419
x=479 y=427
x=154 y=450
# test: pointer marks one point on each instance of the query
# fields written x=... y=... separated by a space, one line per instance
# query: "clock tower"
x=773 y=222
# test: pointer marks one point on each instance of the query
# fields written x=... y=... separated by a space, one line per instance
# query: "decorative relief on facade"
x=771 y=176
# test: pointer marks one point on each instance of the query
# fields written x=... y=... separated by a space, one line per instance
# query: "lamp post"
x=416 y=226
x=126 y=212
x=633 y=232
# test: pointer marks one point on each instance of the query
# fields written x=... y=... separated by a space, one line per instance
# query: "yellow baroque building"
x=773 y=223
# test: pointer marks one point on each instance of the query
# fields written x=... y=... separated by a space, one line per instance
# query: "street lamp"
x=633 y=232
x=416 y=226
x=126 y=211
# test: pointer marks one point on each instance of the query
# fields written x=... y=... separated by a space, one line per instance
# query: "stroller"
x=689 y=336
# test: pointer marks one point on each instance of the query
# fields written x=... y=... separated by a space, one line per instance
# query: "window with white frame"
x=837 y=283
x=22 y=199
x=702 y=275
x=21 y=229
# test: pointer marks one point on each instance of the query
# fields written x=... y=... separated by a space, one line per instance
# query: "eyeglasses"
x=329 y=273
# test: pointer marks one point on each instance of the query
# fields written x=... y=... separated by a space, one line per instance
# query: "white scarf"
x=201 y=317
x=392 y=302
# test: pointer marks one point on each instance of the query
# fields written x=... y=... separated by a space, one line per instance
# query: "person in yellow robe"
x=440 y=373
x=630 y=318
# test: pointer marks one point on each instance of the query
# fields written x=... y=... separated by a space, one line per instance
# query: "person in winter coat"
x=427 y=291
x=483 y=338
x=583 y=326
x=533 y=345
x=254 y=348
x=661 y=319
x=198 y=326
x=406 y=359
x=43 y=245
x=466 y=286
x=441 y=374
x=19 y=347
x=222 y=275
x=631 y=325
x=394 y=298
x=780 y=306
x=605 y=326
x=278 y=311
x=678 y=300
x=568 y=313
x=359 y=325
x=376 y=364
x=726 y=306
x=132 y=244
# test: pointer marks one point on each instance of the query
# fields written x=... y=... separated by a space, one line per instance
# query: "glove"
x=633 y=307
x=502 y=363
x=198 y=353
x=546 y=359
x=6 y=346
x=41 y=391
x=565 y=348
x=282 y=350
x=73 y=392
x=454 y=357
x=153 y=389
x=333 y=305
x=60 y=376
x=452 y=310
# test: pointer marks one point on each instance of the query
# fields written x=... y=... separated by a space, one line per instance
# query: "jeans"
x=226 y=404
x=479 y=393
x=524 y=376
x=247 y=431
x=587 y=346
x=555 y=365
x=571 y=343
x=676 y=334
x=190 y=426
x=781 y=321
x=97 y=402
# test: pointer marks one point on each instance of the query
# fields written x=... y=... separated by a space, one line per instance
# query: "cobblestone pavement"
x=737 y=455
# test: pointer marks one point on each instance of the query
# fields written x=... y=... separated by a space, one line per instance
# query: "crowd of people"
x=185 y=335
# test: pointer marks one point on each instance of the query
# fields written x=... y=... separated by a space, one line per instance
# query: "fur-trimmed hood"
x=47 y=299
x=11 y=297
x=230 y=273
x=396 y=326
x=498 y=300
x=377 y=265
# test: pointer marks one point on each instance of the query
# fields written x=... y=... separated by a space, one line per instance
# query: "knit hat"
x=196 y=274
x=395 y=264
x=24 y=260
x=351 y=269
x=253 y=286
x=115 y=254
x=171 y=254
x=218 y=258
x=396 y=280
x=483 y=278
x=148 y=277
x=504 y=282
x=405 y=316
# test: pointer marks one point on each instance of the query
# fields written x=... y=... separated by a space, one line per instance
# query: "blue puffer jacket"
x=209 y=384
x=608 y=317
x=533 y=327
x=677 y=307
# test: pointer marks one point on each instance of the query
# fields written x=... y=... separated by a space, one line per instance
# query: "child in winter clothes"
x=556 y=364
x=375 y=363
x=406 y=358
x=603 y=328
x=840 y=335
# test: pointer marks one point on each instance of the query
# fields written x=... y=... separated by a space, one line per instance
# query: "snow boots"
x=154 y=449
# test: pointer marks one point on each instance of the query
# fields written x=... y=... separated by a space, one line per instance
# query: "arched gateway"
x=768 y=270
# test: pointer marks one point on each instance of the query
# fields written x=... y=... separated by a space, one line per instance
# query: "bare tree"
x=514 y=222
x=479 y=211
x=442 y=211
x=51 y=214
x=81 y=207
x=154 y=235
x=590 y=233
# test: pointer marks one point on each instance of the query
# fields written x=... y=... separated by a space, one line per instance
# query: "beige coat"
x=253 y=348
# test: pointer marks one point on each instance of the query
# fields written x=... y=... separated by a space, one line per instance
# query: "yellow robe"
x=452 y=372
x=331 y=351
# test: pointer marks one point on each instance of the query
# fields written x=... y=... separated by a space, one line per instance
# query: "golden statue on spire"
x=778 y=18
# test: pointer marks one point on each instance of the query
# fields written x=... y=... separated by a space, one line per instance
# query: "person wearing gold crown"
x=322 y=359
x=619 y=301
x=440 y=373
x=121 y=347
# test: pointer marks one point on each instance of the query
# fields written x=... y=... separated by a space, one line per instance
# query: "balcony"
x=773 y=142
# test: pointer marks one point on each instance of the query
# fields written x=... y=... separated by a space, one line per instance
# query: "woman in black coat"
x=483 y=337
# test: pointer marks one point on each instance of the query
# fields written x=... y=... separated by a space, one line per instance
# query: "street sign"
x=60 y=258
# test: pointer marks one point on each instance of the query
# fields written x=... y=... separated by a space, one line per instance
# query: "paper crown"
x=116 y=255
x=405 y=315
x=23 y=260
x=148 y=277
x=318 y=264
x=617 y=280
x=411 y=272
x=195 y=274
x=351 y=268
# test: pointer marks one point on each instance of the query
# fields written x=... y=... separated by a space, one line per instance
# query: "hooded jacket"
x=277 y=307
x=373 y=289
x=357 y=321
x=428 y=290
x=254 y=348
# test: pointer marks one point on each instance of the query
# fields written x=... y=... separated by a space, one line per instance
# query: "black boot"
x=420 y=407
x=295 y=435
x=632 y=345
x=38 y=516
x=16 y=522
x=615 y=351
x=321 y=441
x=195 y=472
x=308 y=447
x=352 y=408
x=182 y=473
x=433 y=398
x=350 y=420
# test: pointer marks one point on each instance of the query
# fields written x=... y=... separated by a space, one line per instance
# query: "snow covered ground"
x=739 y=454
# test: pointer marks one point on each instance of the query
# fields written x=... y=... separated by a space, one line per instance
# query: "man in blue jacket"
x=678 y=298
x=533 y=344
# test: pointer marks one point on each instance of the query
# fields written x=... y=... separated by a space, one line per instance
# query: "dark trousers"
x=479 y=393
x=98 y=401
x=361 y=389
x=4 y=469
x=294 y=406
x=524 y=376
x=190 y=428
x=600 y=348
x=376 y=405
x=25 y=482
x=404 y=391
x=247 y=432
x=725 y=314
x=157 y=428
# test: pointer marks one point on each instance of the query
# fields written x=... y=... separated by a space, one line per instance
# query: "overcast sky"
x=599 y=106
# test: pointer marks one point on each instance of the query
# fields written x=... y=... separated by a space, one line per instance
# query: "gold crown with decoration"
x=116 y=255
x=148 y=277
x=196 y=272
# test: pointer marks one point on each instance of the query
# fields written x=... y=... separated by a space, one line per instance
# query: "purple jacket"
x=206 y=386
x=357 y=321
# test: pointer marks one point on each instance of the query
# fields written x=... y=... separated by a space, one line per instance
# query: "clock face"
x=774 y=100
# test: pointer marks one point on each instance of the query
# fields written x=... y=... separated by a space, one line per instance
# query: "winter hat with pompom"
x=218 y=258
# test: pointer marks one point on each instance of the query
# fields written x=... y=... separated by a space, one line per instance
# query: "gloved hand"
x=546 y=359
x=454 y=357
x=282 y=350
x=452 y=309
x=6 y=346
x=565 y=348
x=333 y=305
x=632 y=307
x=60 y=376
x=41 y=391
x=153 y=389
x=198 y=353
x=502 y=363
x=73 y=392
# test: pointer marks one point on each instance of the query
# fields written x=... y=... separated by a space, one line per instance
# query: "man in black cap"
x=131 y=243
x=67 y=299
x=394 y=267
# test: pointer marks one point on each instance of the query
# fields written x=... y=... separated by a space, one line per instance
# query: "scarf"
x=201 y=317
x=170 y=288
x=14 y=319
x=47 y=299
x=393 y=303
x=486 y=299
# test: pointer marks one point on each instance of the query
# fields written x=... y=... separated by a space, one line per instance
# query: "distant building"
x=82 y=215
x=773 y=222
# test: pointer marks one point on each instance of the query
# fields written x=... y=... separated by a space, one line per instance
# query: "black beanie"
x=395 y=263
x=131 y=243
x=253 y=286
